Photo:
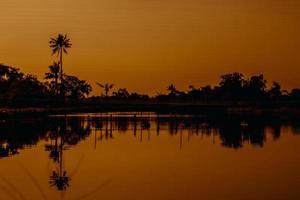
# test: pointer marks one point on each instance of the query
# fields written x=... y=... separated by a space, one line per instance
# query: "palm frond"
x=99 y=84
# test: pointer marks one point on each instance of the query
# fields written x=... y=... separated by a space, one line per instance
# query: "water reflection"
x=13 y=139
x=64 y=132
x=60 y=133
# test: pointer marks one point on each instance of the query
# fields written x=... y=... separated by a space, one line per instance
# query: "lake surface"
x=148 y=156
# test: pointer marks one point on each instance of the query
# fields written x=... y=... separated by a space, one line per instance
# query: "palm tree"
x=53 y=74
x=59 y=46
x=107 y=87
x=172 y=89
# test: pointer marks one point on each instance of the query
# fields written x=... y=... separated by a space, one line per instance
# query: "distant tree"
x=255 y=87
x=231 y=85
x=258 y=83
x=295 y=94
x=54 y=75
x=107 y=87
x=172 y=90
x=194 y=93
x=121 y=93
x=192 y=87
x=27 y=88
x=59 y=45
x=15 y=87
x=275 y=91
x=10 y=74
x=76 y=88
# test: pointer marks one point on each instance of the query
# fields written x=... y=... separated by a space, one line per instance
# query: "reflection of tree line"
x=16 y=136
x=62 y=133
x=233 y=133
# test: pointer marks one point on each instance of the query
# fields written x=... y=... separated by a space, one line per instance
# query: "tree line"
x=17 y=87
x=235 y=87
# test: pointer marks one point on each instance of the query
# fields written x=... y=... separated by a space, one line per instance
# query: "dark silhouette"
x=231 y=85
x=255 y=87
x=233 y=92
x=60 y=45
x=121 y=93
x=17 y=88
x=63 y=133
x=107 y=87
x=54 y=75
x=275 y=91
x=75 y=88
x=172 y=90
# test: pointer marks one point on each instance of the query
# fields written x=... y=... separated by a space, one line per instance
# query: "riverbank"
x=241 y=108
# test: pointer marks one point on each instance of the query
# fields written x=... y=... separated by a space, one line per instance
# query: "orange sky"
x=145 y=45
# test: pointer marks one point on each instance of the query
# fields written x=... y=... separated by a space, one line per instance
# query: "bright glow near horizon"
x=146 y=45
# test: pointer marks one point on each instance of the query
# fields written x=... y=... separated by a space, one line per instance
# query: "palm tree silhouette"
x=172 y=89
x=107 y=87
x=59 y=45
x=53 y=74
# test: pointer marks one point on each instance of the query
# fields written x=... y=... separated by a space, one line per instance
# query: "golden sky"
x=144 y=45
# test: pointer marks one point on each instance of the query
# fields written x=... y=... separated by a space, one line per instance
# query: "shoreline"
x=168 y=108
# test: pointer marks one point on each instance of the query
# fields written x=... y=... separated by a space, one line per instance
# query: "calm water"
x=134 y=156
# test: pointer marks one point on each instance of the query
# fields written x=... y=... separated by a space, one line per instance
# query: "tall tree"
x=59 y=45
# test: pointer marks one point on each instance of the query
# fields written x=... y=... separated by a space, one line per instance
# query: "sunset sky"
x=144 y=45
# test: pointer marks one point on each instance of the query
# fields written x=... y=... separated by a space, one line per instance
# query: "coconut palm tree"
x=53 y=74
x=59 y=45
x=107 y=87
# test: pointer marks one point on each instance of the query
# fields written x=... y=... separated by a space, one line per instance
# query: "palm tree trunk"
x=61 y=73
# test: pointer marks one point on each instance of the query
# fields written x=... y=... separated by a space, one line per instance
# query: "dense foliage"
x=17 y=88
x=234 y=87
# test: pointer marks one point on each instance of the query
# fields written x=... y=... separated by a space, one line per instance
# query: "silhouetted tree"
x=173 y=90
x=28 y=87
x=76 y=88
x=231 y=85
x=275 y=91
x=17 y=88
x=121 y=93
x=295 y=94
x=107 y=87
x=195 y=93
x=255 y=87
x=53 y=74
x=59 y=45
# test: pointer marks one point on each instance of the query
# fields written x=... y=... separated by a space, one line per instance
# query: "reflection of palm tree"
x=60 y=178
x=61 y=181
x=54 y=151
x=107 y=87
x=59 y=46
